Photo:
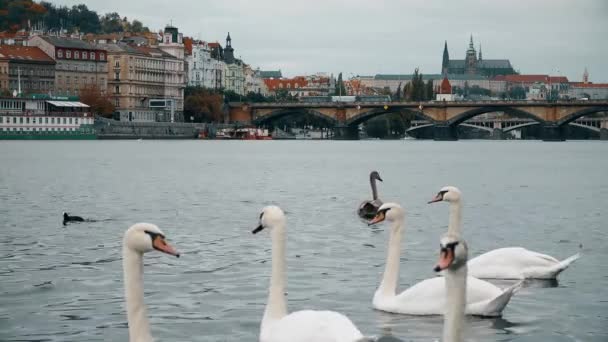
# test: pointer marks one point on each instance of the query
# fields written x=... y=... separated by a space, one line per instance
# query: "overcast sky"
x=366 y=37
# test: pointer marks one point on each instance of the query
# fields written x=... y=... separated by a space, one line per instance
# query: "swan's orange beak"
x=446 y=257
x=380 y=216
x=160 y=244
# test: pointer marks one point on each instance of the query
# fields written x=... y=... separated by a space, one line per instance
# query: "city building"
x=588 y=90
x=78 y=64
x=558 y=84
x=474 y=63
x=218 y=65
x=234 y=75
x=145 y=83
x=444 y=91
x=253 y=82
x=293 y=86
x=204 y=70
x=172 y=42
x=26 y=70
x=271 y=74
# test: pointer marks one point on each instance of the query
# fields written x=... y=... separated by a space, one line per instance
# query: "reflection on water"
x=541 y=283
x=65 y=283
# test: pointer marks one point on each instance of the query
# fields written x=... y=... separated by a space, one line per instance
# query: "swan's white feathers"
x=312 y=325
x=516 y=263
x=428 y=297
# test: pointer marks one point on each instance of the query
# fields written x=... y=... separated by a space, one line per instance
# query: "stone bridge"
x=443 y=116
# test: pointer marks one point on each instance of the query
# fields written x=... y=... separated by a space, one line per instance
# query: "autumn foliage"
x=203 y=105
x=100 y=103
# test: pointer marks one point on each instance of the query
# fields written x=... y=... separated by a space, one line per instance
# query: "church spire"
x=228 y=40
x=479 y=51
x=445 y=64
x=585 y=76
x=471 y=43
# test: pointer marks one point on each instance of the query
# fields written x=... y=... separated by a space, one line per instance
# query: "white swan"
x=502 y=263
x=139 y=239
x=428 y=296
x=300 y=326
x=453 y=261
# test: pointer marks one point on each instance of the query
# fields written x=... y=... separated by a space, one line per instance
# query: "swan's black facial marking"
x=379 y=217
x=154 y=235
x=260 y=227
x=438 y=197
x=445 y=252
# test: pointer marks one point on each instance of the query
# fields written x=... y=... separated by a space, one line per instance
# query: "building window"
x=101 y=56
x=92 y=55
x=117 y=102
x=117 y=90
x=117 y=76
x=76 y=55
x=117 y=63
x=59 y=53
x=85 y=55
x=68 y=54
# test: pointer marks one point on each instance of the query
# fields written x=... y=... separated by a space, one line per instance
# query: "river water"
x=65 y=283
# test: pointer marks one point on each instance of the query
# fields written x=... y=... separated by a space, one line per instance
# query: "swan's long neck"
x=139 y=327
x=276 y=307
x=372 y=181
x=455 y=218
x=388 y=286
x=456 y=284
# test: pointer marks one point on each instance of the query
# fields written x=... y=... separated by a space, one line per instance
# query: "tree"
x=397 y=96
x=340 y=89
x=203 y=105
x=137 y=26
x=516 y=93
x=99 y=102
x=111 y=22
x=429 y=90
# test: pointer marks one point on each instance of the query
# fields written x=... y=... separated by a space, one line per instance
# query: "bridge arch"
x=290 y=111
x=569 y=118
x=370 y=114
x=457 y=120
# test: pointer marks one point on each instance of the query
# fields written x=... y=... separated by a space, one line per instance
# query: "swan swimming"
x=300 y=326
x=428 y=296
x=139 y=239
x=367 y=209
x=502 y=263
x=453 y=257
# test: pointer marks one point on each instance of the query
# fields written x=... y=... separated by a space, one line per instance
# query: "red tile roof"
x=558 y=79
x=588 y=85
x=445 y=87
x=21 y=53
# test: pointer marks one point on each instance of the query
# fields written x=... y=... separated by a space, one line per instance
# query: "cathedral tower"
x=471 y=59
x=445 y=64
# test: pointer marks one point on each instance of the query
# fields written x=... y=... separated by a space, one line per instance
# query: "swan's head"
x=271 y=216
x=449 y=194
x=375 y=175
x=454 y=253
x=388 y=211
x=146 y=237
x=65 y=215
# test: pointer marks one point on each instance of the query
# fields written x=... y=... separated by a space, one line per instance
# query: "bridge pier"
x=445 y=133
x=551 y=132
x=603 y=133
x=498 y=134
x=346 y=132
